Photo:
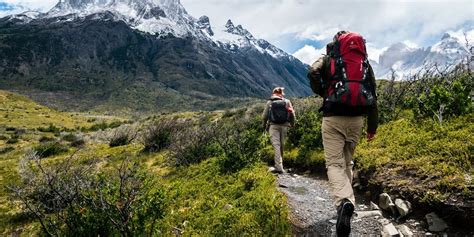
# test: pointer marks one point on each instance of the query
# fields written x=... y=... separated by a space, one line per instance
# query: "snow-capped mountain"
x=405 y=60
x=101 y=48
x=158 y=17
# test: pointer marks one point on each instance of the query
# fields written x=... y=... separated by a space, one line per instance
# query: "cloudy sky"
x=303 y=27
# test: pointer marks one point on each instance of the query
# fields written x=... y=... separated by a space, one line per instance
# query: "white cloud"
x=308 y=54
x=382 y=22
x=410 y=44
x=374 y=52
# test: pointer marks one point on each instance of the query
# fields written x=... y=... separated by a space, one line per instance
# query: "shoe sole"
x=343 y=226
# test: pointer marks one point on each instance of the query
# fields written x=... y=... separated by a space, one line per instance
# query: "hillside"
x=424 y=162
x=71 y=57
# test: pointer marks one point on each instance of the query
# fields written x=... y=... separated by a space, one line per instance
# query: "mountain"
x=143 y=54
x=405 y=61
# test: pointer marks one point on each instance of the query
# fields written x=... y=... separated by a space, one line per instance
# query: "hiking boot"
x=344 y=214
x=276 y=171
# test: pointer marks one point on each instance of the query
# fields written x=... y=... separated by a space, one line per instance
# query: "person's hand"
x=370 y=136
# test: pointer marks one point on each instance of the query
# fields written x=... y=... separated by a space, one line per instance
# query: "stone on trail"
x=403 y=229
x=385 y=202
x=403 y=207
x=363 y=214
x=390 y=231
x=374 y=206
x=435 y=223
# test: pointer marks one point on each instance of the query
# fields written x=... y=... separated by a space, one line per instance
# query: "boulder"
x=385 y=202
x=403 y=207
x=390 y=231
x=435 y=223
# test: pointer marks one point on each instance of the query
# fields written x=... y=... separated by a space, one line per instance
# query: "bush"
x=74 y=140
x=447 y=98
x=74 y=200
x=122 y=137
x=241 y=145
x=51 y=128
x=78 y=143
x=70 y=137
x=46 y=139
x=193 y=144
x=50 y=149
x=6 y=149
x=159 y=135
x=96 y=127
x=14 y=138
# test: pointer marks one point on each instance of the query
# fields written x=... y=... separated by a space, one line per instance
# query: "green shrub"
x=70 y=137
x=14 y=138
x=78 y=143
x=50 y=149
x=159 y=135
x=46 y=139
x=122 y=137
x=70 y=199
x=241 y=145
x=96 y=127
x=444 y=97
x=3 y=137
x=51 y=128
x=193 y=145
x=6 y=149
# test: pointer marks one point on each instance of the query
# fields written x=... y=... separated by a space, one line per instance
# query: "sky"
x=304 y=27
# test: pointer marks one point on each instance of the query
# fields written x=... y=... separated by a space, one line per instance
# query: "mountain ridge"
x=99 y=54
x=405 y=61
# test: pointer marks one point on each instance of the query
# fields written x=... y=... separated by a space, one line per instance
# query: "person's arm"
x=373 y=115
x=292 y=113
x=315 y=76
x=265 y=115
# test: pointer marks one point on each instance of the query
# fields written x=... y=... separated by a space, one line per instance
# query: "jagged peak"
x=229 y=24
x=203 y=20
x=204 y=24
x=446 y=36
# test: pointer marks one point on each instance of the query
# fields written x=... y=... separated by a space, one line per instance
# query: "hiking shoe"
x=344 y=214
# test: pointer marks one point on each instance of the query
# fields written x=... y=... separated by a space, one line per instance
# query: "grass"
x=205 y=202
x=200 y=199
x=20 y=112
x=423 y=156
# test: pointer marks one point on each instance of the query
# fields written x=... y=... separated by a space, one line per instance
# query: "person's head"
x=279 y=91
x=336 y=36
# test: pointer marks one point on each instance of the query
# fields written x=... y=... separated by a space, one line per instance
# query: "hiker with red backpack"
x=346 y=81
x=278 y=116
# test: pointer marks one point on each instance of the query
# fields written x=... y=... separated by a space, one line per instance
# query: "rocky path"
x=313 y=214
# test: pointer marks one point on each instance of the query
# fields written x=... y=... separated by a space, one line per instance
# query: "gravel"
x=312 y=211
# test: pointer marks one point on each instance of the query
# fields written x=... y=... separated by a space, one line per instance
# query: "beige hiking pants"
x=277 y=137
x=340 y=137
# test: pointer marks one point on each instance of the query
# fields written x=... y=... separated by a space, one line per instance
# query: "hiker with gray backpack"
x=278 y=116
x=346 y=82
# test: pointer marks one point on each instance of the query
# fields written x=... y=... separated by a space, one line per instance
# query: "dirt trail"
x=312 y=210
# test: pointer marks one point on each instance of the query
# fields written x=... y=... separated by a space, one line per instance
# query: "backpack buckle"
x=338 y=84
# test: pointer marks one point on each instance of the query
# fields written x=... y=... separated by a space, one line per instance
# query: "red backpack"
x=349 y=89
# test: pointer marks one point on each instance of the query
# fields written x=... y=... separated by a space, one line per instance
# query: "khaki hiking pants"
x=340 y=137
x=277 y=137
